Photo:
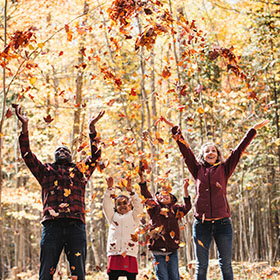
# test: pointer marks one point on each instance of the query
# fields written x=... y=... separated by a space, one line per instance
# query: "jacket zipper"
x=210 y=194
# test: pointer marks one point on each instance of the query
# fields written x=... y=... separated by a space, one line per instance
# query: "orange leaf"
x=172 y=234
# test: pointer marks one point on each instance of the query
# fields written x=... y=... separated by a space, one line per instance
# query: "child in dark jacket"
x=164 y=235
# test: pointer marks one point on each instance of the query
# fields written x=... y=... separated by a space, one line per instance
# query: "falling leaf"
x=33 y=81
x=124 y=254
x=134 y=237
x=77 y=254
x=200 y=243
x=67 y=192
x=48 y=119
x=166 y=72
x=167 y=258
x=9 y=113
x=133 y=92
x=60 y=53
x=164 y=212
x=200 y=110
x=172 y=234
x=53 y=213
x=73 y=267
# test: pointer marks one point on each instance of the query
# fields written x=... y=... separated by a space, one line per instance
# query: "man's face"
x=62 y=155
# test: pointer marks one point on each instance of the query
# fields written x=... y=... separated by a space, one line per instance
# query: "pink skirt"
x=127 y=263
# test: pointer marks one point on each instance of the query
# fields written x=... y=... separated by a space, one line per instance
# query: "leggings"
x=114 y=275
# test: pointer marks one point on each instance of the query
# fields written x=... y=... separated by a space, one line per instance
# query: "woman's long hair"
x=220 y=158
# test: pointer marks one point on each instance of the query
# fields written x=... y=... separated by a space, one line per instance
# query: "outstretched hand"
x=128 y=185
x=110 y=183
x=163 y=119
x=94 y=120
x=186 y=184
x=261 y=124
x=22 y=117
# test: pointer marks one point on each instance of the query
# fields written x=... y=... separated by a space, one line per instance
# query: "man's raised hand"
x=22 y=117
x=94 y=120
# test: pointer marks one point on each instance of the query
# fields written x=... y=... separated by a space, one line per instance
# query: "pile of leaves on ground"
x=242 y=271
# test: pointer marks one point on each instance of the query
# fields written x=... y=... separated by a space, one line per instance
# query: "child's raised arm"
x=108 y=203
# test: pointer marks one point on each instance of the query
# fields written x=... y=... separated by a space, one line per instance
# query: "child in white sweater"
x=123 y=216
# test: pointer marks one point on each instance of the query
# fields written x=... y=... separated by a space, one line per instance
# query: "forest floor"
x=242 y=271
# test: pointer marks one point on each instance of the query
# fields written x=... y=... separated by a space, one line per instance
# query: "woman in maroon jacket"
x=212 y=213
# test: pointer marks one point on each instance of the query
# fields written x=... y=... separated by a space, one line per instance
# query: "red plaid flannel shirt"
x=63 y=186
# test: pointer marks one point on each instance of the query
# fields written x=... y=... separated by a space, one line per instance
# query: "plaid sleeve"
x=91 y=162
x=35 y=166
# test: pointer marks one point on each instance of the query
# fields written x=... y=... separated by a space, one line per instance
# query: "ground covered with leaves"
x=242 y=271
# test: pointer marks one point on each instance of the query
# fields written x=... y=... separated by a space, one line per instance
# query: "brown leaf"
x=48 y=119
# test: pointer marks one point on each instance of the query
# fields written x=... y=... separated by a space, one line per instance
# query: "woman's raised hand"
x=261 y=124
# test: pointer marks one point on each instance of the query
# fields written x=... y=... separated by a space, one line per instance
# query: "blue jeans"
x=221 y=231
x=67 y=234
x=166 y=270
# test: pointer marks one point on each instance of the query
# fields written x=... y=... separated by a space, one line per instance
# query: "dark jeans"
x=167 y=270
x=203 y=233
x=114 y=275
x=67 y=234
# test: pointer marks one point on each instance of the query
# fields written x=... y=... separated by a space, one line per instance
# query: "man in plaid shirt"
x=63 y=196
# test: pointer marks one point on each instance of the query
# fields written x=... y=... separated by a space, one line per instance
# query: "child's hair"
x=119 y=196
x=201 y=152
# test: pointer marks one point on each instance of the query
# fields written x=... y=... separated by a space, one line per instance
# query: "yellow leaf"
x=77 y=254
x=67 y=192
x=33 y=80
x=41 y=45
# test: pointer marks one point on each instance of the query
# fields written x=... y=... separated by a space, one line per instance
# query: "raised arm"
x=184 y=148
x=108 y=203
x=235 y=155
x=36 y=167
x=136 y=201
x=182 y=210
x=92 y=131
x=22 y=118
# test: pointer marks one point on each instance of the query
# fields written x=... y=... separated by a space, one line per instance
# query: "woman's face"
x=210 y=154
x=123 y=205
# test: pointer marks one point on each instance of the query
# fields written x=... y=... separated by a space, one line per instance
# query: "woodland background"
x=211 y=66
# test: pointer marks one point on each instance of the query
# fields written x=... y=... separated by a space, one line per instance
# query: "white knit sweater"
x=122 y=226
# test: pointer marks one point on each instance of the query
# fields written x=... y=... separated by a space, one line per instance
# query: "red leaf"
x=60 y=53
x=9 y=113
x=133 y=92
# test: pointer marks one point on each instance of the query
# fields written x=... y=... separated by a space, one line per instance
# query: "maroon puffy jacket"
x=211 y=180
x=164 y=231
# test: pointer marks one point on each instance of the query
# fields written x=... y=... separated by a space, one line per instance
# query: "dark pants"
x=67 y=234
x=114 y=275
x=203 y=233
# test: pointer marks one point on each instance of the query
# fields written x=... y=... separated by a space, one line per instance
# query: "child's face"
x=164 y=197
x=210 y=154
x=123 y=205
